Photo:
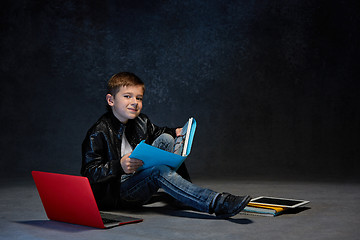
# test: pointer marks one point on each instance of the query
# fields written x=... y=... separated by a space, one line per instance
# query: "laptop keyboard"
x=107 y=220
x=115 y=219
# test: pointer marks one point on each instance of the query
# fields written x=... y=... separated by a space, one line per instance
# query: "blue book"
x=153 y=156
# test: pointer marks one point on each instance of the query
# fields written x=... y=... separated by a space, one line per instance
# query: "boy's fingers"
x=135 y=164
x=136 y=161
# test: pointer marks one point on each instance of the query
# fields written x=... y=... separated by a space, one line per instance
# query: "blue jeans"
x=139 y=187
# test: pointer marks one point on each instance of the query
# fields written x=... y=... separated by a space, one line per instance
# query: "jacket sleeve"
x=98 y=164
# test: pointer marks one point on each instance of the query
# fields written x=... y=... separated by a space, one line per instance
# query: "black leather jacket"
x=101 y=154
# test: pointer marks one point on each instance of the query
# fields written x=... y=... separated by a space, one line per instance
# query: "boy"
x=112 y=174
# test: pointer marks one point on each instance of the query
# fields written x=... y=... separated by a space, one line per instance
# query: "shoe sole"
x=242 y=206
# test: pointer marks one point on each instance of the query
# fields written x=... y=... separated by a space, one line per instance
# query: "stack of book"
x=263 y=210
x=271 y=206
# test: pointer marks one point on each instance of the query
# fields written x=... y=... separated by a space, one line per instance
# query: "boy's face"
x=127 y=102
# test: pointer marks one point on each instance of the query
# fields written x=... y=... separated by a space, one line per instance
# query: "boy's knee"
x=159 y=170
x=165 y=142
x=166 y=137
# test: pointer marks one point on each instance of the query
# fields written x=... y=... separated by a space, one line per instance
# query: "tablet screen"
x=284 y=202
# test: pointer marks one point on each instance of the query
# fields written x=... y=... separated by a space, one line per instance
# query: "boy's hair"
x=123 y=79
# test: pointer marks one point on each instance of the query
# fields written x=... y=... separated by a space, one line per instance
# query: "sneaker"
x=228 y=205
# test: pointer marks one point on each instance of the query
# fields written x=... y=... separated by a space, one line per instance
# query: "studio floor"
x=331 y=214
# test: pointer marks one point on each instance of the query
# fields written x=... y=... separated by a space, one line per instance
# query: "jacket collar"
x=118 y=126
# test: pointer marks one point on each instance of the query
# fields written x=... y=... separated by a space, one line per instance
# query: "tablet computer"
x=281 y=202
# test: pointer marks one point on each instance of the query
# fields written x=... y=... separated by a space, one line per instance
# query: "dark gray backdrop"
x=272 y=84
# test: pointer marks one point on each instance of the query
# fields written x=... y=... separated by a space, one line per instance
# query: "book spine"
x=187 y=137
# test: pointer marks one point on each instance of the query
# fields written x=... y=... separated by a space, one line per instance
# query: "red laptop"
x=68 y=198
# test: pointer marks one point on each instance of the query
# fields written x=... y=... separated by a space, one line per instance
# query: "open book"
x=152 y=156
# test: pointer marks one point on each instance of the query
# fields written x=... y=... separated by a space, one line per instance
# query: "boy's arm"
x=96 y=165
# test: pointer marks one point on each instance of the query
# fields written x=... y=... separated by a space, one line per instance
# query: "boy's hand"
x=130 y=165
x=178 y=131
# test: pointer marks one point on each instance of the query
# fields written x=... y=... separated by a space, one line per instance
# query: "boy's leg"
x=136 y=190
x=139 y=188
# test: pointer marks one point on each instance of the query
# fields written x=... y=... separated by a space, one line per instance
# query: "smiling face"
x=127 y=102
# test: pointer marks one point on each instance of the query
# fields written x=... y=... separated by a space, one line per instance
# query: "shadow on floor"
x=58 y=226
